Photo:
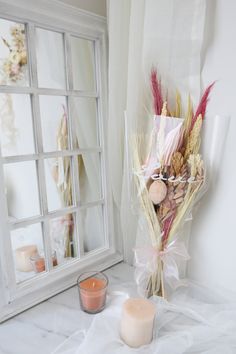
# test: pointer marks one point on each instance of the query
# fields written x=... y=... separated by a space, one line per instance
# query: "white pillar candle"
x=137 y=322
x=22 y=257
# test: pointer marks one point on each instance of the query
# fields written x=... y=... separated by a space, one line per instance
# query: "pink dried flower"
x=203 y=104
x=156 y=92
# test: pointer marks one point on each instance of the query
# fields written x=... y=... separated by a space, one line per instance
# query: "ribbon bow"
x=148 y=262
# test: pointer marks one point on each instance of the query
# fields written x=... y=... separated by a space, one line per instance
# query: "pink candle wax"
x=93 y=294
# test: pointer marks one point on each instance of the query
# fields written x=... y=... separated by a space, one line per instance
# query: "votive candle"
x=137 y=322
x=22 y=257
x=38 y=262
x=92 y=291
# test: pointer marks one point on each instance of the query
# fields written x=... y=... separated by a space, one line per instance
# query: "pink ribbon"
x=148 y=261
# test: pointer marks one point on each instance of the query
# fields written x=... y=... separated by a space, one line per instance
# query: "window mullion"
x=47 y=155
x=75 y=177
x=73 y=145
x=42 y=188
x=39 y=148
x=101 y=111
x=48 y=91
x=69 y=73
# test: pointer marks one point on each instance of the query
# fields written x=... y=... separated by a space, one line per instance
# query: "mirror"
x=58 y=182
x=90 y=178
x=50 y=59
x=16 y=128
x=27 y=247
x=92 y=228
x=37 y=122
x=54 y=121
x=83 y=64
x=84 y=113
x=63 y=237
x=13 y=54
x=21 y=188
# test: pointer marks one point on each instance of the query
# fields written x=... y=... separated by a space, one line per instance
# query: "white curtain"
x=142 y=33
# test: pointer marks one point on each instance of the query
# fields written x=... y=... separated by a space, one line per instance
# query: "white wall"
x=96 y=6
x=213 y=239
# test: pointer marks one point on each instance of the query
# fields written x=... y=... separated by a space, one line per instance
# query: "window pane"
x=58 y=182
x=22 y=189
x=27 y=246
x=62 y=235
x=83 y=64
x=16 y=130
x=13 y=54
x=89 y=177
x=50 y=59
x=91 y=227
x=54 y=119
x=84 y=112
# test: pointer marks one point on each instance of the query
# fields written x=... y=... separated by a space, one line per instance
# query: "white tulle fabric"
x=195 y=320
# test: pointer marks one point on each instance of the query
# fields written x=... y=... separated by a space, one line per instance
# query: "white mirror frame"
x=14 y=299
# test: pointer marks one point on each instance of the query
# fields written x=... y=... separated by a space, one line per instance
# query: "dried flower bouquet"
x=168 y=184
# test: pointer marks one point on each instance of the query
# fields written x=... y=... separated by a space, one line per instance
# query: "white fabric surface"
x=194 y=321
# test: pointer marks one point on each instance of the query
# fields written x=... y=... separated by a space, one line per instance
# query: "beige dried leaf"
x=177 y=161
x=188 y=118
x=179 y=194
x=163 y=211
x=193 y=143
x=178 y=108
x=164 y=111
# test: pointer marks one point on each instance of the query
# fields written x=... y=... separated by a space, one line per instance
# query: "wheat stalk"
x=145 y=202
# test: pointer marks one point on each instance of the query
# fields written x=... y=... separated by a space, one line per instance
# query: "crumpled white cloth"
x=194 y=321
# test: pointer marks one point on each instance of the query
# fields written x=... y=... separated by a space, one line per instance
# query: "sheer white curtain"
x=142 y=33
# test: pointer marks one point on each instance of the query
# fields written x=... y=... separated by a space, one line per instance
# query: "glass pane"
x=50 y=59
x=54 y=119
x=27 y=246
x=16 y=130
x=84 y=112
x=13 y=54
x=58 y=182
x=22 y=189
x=83 y=64
x=62 y=235
x=91 y=227
x=89 y=177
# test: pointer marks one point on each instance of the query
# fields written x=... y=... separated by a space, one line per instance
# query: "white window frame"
x=55 y=16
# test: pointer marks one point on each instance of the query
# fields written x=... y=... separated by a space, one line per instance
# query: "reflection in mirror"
x=54 y=120
x=28 y=250
x=91 y=228
x=83 y=64
x=13 y=54
x=84 y=112
x=16 y=131
x=90 y=177
x=58 y=182
x=21 y=187
x=50 y=59
x=62 y=234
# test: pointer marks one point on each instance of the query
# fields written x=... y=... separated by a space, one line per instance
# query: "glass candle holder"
x=38 y=262
x=92 y=291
